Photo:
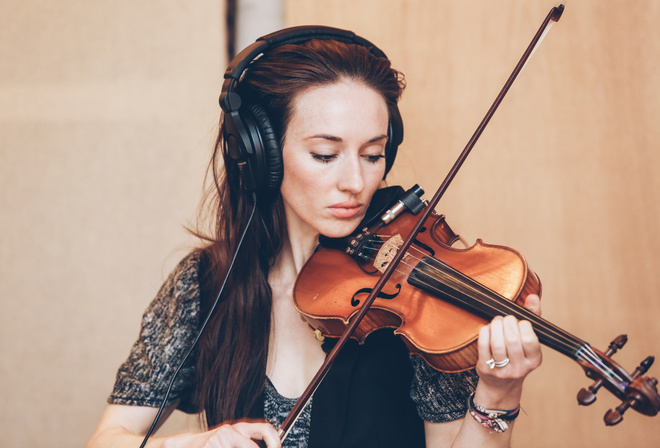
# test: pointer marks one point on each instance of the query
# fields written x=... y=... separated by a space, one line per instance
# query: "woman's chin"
x=341 y=229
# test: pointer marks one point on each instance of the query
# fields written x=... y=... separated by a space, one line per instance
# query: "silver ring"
x=492 y=363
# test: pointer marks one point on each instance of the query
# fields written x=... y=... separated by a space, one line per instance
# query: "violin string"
x=587 y=354
x=500 y=305
x=505 y=302
x=576 y=348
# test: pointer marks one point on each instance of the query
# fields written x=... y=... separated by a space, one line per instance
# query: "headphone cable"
x=206 y=321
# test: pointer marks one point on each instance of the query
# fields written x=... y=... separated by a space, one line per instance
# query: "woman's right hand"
x=234 y=435
x=123 y=426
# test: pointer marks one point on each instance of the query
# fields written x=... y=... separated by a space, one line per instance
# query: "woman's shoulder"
x=179 y=295
x=187 y=270
x=185 y=276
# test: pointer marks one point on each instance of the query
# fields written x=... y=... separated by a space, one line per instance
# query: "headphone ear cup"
x=395 y=137
x=271 y=153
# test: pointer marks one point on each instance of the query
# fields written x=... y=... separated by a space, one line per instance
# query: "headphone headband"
x=293 y=35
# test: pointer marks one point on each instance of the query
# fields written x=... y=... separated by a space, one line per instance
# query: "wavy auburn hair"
x=231 y=362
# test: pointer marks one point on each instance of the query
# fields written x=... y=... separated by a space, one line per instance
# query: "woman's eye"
x=327 y=158
x=375 y=159
x=324 y=158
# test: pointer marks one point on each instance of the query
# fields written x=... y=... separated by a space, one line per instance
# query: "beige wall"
x=108 y=109
x=566 y=172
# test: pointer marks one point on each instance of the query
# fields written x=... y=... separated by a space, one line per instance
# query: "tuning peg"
x=587 y=396
x=614 y=416
x=643 y=366
x=617 y=344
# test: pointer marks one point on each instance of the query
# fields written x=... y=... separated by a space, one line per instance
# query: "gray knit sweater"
x=170 y=324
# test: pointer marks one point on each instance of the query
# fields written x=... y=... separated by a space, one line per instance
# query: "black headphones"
x=250 y=138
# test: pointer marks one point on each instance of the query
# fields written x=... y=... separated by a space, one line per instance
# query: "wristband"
x=495 y=420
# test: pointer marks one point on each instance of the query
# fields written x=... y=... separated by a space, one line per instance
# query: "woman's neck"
x=294 y=354
x=296 y=250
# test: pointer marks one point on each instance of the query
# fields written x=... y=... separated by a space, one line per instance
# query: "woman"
x=332 y=109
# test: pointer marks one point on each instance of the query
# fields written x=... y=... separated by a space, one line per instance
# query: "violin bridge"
x=387 y=252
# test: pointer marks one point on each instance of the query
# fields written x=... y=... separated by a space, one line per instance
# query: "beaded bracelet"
x=495 y=420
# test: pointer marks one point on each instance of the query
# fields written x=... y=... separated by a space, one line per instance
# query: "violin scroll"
x=636 y=390
x=641 y=395
x=588 y=396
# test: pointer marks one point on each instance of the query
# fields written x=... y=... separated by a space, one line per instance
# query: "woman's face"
x=334 y=158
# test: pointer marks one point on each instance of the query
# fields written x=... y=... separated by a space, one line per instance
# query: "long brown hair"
x=231 y=364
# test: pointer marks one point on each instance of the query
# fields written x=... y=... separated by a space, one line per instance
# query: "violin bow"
x=553 y=16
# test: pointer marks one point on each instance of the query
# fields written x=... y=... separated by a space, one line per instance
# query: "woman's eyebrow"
x=334 y=138
x=379 y=138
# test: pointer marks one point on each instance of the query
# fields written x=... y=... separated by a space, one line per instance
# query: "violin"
x=440 y=296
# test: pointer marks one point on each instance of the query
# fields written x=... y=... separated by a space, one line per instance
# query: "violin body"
x=442 y=333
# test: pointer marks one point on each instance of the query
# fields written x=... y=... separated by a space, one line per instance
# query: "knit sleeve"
x=169 y=326
x=440 y=396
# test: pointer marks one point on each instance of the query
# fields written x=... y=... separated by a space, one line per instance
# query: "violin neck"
x=439 y=279
x=445 y=282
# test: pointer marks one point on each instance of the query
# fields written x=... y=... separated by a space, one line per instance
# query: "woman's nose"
x=351 y=176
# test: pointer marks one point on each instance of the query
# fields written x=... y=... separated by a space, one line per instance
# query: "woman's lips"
x=345 y=209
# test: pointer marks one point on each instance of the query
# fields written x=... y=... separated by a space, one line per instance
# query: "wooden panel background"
x=566 y=172
x=108 y=111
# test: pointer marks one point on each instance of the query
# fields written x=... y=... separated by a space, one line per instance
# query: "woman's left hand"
x=508 y=351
